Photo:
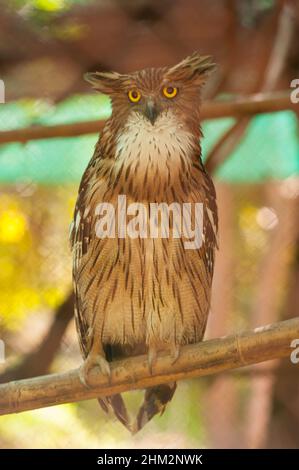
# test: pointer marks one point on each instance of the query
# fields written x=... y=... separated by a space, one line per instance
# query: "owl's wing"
x=81 y=235
x=210 y=225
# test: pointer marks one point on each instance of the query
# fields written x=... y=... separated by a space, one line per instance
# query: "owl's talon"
x=104 y=366
x=174 y=354
x=151 y=359
x=83 y=376
x=91 y=363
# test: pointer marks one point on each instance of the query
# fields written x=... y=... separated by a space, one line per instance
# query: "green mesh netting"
x=269 y=149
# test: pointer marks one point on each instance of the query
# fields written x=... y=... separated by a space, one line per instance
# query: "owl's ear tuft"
x=195 y=67
x=105 y=82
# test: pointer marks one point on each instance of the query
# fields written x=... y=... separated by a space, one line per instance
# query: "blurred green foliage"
x=269 y=149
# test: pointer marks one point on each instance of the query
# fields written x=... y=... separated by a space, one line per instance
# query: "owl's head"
x=154 y=93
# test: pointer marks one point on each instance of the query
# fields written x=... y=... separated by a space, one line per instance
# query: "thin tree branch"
x=38 y=361
x=206 y=358
x=226 y=144
x=249 y=105
x=267 y=82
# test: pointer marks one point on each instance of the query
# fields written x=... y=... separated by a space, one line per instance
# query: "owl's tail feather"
x=116 y=404
x=155 y=401
x=155 y=398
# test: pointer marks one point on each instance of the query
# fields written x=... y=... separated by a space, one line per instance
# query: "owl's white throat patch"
x=165 y=141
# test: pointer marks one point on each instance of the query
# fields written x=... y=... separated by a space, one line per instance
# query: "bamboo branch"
x=206 y=358
x=247 y=106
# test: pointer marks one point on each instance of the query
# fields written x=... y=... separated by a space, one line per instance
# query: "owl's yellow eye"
x=134 y=96
x=170 y=91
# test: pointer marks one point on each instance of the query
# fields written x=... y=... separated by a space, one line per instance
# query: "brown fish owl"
x=144 y=292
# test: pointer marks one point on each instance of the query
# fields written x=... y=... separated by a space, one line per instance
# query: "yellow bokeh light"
x=12 y=226
x=247 y=217
x=50 y=5
x=6 y=269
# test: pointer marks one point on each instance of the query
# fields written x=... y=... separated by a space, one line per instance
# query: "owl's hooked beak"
x=151 y=111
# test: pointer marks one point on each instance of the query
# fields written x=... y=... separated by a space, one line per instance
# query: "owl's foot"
x=151 y=358
x=90 y=363
x=174 y=353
